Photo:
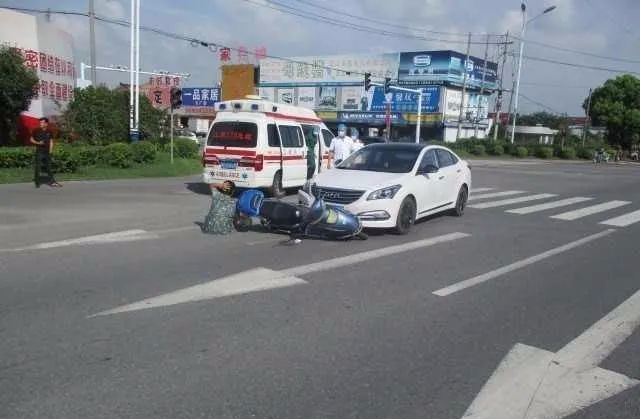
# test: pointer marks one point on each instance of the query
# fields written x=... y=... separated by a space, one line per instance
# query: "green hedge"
x=143 y=152
x=185 y=148
x=544 y=152
x=478 y=150
x=16 y=157
x=521 y=152
x=497 y=150
x=68 y=158
x=568 y=153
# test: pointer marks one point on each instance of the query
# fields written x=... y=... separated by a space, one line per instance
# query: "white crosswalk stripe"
x=623 y=220
x=505 y=202
x=586 y=211
x=493 y=195
x=548 y=206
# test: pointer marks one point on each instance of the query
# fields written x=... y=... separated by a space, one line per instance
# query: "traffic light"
x=176 y=97
x=387 y=85
x=367 y=81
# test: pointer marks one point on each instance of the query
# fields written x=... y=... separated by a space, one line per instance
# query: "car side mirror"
x=429 y=169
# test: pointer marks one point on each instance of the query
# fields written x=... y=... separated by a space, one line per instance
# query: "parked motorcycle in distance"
x=312 y=218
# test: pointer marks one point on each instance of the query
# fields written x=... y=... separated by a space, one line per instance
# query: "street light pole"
x=523 y=7
x=522 y=34
x=92 y=41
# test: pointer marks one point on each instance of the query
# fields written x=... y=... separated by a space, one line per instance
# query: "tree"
x=546 y=119
x=616 y=105
x=17 y=89
x=99 y=115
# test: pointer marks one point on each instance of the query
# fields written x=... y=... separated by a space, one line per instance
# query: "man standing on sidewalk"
x=42 y=138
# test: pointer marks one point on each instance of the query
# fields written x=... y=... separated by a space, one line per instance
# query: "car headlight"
x=384 y=193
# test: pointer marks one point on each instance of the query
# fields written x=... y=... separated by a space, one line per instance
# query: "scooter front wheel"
x=362 y=235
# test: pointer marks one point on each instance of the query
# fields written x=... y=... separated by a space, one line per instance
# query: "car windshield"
x=382 y=159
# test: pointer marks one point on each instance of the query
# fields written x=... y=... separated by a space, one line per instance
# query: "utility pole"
x=587 y=119
x=137 y=123
x=499 y=98
x=132 y=63
x=480 y=99
x=92 y=41
x=464 y=87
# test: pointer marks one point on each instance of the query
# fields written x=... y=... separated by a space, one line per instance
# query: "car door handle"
x=459 y=170
x=441 y=177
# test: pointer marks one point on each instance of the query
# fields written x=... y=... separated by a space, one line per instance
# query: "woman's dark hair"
x=44 y=119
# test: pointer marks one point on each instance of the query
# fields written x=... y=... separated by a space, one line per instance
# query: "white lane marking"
x=476 y=280
x=261 y=279
x=372 y=254
x=550 y=205
x=534 y=383
x=493 y=195
x=594 y=209
x=116 y=237
x=623 y=220
x=177 y=229
x=479 y=190
x=505 y=202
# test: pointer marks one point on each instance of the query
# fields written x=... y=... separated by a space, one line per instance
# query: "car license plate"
x=225 y=174
x=229 y=164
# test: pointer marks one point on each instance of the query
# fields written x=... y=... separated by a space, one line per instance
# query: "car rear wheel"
x=461 y=202
x=406 y=216
x=276 y=190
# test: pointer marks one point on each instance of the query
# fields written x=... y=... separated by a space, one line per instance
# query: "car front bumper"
x=379 y=213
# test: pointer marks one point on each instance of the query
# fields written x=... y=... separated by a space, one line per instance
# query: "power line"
x=283 y=8
x=382 y=22
x=195 y=41
x=574 y=51
x=589 y=67
x=542 y=105
x=559 y=86
x=550 y=46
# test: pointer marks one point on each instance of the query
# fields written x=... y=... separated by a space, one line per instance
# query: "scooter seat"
x=281 y=213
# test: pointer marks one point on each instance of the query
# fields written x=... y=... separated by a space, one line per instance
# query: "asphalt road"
x=357 y=337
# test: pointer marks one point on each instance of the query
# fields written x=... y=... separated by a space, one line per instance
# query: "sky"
x=599 y=27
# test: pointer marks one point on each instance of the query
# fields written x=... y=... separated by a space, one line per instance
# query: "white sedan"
x=393 y=185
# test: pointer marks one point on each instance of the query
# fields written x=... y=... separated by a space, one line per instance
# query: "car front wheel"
x=406 y=216
x=461 y=202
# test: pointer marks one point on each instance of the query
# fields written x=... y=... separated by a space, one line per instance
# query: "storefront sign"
x=200 y=96
x=405 y=101
x=373 y=118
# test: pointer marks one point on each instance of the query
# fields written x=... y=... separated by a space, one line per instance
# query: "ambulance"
x=257 y=143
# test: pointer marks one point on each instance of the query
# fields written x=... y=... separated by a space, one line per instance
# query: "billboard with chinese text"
x=326 y=70
x=49 y=52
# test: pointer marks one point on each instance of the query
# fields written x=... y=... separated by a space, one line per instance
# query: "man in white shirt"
x=341 y=146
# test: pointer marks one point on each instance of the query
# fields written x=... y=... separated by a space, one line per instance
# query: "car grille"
x=337 y=196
